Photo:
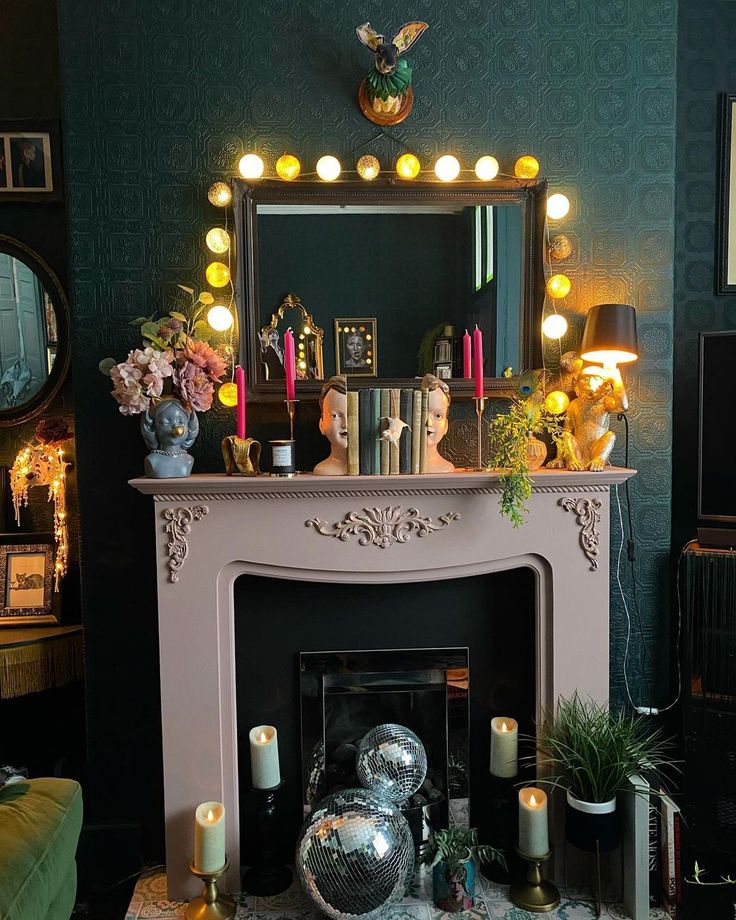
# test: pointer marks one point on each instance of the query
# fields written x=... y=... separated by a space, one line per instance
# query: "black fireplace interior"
x=486 y=621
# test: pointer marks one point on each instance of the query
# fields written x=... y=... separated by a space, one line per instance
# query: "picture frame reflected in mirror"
x=26 y=579
x=356 y=347
x=30 y=161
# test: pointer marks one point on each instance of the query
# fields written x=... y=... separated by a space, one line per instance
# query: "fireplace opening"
x=326 y=660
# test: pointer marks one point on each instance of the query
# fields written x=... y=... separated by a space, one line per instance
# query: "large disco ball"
x=355 y=855
x=391 y=761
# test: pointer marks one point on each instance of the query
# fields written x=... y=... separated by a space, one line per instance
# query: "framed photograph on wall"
x=726 y=220
x=356 y=352
x=27 y=579
x=30 y=161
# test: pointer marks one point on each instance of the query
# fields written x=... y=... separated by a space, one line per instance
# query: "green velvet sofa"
x=40 y=821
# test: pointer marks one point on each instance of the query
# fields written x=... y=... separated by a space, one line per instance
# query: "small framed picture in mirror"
x=356 y=347
x=27 y=579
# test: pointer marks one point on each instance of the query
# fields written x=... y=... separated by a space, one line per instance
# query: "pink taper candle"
x=289 y=363
x=240 y=384
x=478 y=361
x=467 y=372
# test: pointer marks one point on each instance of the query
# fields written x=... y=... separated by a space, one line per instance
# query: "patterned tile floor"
x=492 y=903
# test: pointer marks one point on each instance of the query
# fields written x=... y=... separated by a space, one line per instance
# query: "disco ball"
x=391 y=761
x=355 y=855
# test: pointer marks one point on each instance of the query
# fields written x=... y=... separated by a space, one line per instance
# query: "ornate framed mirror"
x=410 y=265
x=34 y=333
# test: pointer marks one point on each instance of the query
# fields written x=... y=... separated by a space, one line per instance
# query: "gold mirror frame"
x=292 y=302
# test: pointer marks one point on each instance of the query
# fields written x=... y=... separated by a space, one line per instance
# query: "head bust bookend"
x=438 y=421
x=333 y=423
x=169 y=428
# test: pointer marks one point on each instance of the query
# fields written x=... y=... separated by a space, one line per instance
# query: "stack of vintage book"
x=383 y=431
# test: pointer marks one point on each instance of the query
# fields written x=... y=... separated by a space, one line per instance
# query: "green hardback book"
x=385 y=412
x=405 y=443
x=375 y=436
x=366 y=452
x=393 y=464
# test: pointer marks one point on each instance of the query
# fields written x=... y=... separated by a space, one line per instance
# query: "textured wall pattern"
x=162 y=96
x=706 y=61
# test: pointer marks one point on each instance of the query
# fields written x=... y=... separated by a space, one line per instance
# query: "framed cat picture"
x=27 y=579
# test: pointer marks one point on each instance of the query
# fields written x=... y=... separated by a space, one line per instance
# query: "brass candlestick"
x=243 y=454
x=536 y=894
x=480 y=405
x=291 y=409
x=211 y=905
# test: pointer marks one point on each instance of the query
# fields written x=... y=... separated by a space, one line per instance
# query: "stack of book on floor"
x=375 y=413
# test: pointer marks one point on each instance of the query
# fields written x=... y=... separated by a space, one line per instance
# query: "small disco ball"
x=355 y=855
x=391 y=761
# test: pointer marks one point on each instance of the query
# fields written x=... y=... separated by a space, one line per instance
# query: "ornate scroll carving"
x=382 y=528
x=179 y=527
x=588 y=515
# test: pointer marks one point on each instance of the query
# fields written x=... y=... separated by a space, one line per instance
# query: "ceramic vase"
x=451 y=893
x=536 y=453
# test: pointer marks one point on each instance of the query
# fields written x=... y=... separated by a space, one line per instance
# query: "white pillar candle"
x=264 y=757
x=209 y=837
x=533 y=832
x=504 y=747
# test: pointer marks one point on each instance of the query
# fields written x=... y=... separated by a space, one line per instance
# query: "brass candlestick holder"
x=480 y=405
x=243 y=454
x=536 y=894
x=291 y=409
x=211 y=904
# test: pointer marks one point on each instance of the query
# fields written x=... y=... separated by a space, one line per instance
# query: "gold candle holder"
x=241 y=454
x=480 y=405
x=211 y=905
x=535 y=894
x=291 y=409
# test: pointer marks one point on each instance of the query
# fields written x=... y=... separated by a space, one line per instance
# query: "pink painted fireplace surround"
x=366 y=529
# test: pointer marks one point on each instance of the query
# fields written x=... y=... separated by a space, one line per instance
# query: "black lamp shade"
x=610 y=334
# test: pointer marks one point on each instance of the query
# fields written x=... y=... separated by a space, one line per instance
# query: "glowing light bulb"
x=504 y=727
x=328 y=168
x=251 y=166
x=558 y=286
x=219 y=318
x=554 y=326
x=447 y=168
x=210 y=816
x=407 y=166
x=526 y=167
x=486 y=168
x=368 y=167
x=557 y=206
x=307 y=330
x=220 y=195
x=556 y=402
x=218 y=274
x=288 y=167
x=228 y=394
x=532 y=800
x=217 y=240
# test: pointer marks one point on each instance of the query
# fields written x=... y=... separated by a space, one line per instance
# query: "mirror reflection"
x=415 y=276
x=28 y=333
x=308 y=338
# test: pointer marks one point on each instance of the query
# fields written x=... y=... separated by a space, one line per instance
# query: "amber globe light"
x=219 y=318
x=558 y=286
x=407 y=166
x=368 y=167
x=556 y=402
x=219 y=194
x=558 y=205
x=560 y=247
x=218 y=274
x=217 y=240
x=486 y=168
x=447 y=168
x=251 y=166
x=228 y=394
x=526 y=167
x=554 y=326
x=328 y=168
x=288 y=167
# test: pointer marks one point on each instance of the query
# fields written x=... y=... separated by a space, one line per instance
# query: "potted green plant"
x=592 y=753
x=515 y=450
x=452 y=855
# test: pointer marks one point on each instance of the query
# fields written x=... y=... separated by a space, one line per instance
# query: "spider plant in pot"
x=452 y=855
x=592 y=753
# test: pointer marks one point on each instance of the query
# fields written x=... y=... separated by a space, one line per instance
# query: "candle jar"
x=283 y=458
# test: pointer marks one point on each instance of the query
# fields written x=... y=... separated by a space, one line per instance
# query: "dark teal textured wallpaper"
x=162 y=96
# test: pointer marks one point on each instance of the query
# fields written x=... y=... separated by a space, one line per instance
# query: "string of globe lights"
x=407 y=167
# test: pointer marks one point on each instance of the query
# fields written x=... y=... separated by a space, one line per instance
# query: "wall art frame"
x=356 y=346
x=27 y=580
x=30 y=161
x=725 y=280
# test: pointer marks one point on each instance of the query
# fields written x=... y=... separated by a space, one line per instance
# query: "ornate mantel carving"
x=179 y=526
x=383 y=527
x=588 y=512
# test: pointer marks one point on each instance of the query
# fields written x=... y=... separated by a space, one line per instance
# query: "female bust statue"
x=169 y=428
x=438 y=420
x=333 y=423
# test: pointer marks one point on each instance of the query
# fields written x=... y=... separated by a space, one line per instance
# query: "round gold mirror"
x=34 y=333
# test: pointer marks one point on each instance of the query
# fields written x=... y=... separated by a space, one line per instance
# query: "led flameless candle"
x=264 y=757
x=533 y=830
x=209 y=837
x=504 y=747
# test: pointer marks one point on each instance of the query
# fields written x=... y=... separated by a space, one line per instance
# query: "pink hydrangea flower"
x=205 y=357
x=194 y=385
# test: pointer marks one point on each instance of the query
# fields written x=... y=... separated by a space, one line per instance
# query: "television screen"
x=717 y=471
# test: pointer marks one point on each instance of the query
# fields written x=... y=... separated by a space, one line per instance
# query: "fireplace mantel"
x=212 y=528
